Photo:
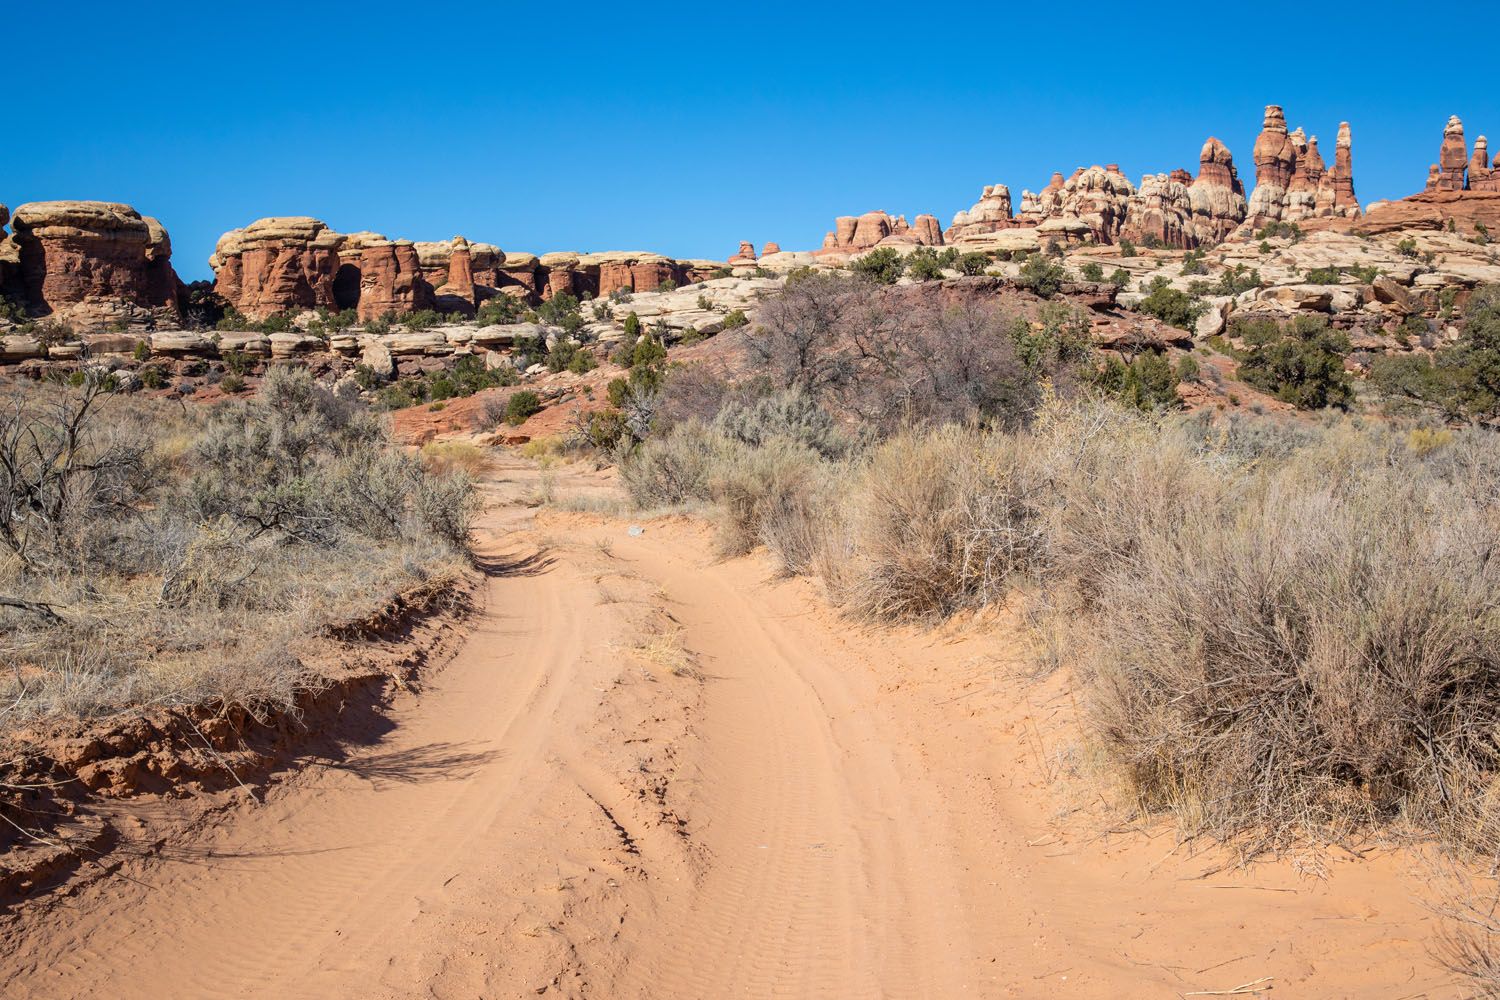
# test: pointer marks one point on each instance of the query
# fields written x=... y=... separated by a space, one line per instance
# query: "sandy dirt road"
x=649 y=773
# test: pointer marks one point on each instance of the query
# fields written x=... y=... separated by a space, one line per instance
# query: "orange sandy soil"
x=653 y=773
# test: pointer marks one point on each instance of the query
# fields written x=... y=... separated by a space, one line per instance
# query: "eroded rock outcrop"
x=1336 y=190
x=1453 y=159
x=279 y=264
x=1161 y=211
x=1307 y=174
x=1481 y=174
x=745 y=256
x=1217 y=195
x=990 y=214
x=90 y=262
x=1292 y=181
x=1275 y=157
x=853 y=233
x=391 y=280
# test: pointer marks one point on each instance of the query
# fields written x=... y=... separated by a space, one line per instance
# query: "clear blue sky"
x=544 y=126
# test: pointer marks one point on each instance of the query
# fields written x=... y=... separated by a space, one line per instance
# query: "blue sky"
x=621 y=126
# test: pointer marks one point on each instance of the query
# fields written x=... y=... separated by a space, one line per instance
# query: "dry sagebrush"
x=241 y=531
x=1276 y=630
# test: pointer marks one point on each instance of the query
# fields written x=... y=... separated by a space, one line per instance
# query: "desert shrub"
x=1265 y=663
x=442 y=457
x=1060 y=335
x=1236 y=280
x=501 y=309
x=1147 y=382
x=194 y=548
x=753 y=487
x=1127 y=248
x=1170 y=305
x=563 y=311
x=788 y=415
x=935 y=522
x=883 y=265
x=671 y=469
x=1193 y=263
x=468 y=375
x=735 y=318
x=1092 y=271
x=1041 y=276
x=889 y=356
x=923 y=264
x=423 y=319
x=1301 y=362
x=62 y=467
x=1334 y=275
x=1280 y=230
x=519 y=406
x=1460 y=381
x=566 y=354
x=973 y=262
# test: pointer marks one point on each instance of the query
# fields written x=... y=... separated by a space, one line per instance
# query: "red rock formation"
x=745 y=256
x=991 y=213
x=929 y=233
x=91 y=262
x=1427 y=210
x=1046 y=202
x=1098 y=197
x=391 y=280
x=457 y=293
x=486 y=267
x=771 y=248
x=1161 y=211
x=1453 y=159
x=855 y=233
x=1307 y=173
x=519 y=274
x=1275 y=161
x=10 y=263
x=1336 y=190
x=1482 y=177
x=1217 y=195
x=277 y=264
x=871 y=228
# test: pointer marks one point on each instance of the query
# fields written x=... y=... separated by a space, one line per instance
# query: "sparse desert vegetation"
x=155 y=554
x=1284 y=630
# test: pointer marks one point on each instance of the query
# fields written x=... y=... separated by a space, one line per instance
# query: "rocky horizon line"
x=100 y=263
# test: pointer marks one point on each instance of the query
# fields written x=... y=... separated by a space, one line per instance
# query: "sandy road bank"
x=649 y=773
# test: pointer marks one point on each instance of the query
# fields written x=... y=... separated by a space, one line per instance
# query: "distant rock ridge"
x=283 y=264
x=1173 y=208
x=103 y=264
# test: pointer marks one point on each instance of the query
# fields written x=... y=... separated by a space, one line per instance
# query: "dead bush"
x=893 y=358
